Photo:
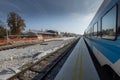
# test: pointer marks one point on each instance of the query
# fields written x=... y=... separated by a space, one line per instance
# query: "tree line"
x=15 y=24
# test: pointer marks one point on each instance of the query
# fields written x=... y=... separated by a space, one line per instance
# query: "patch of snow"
x=12 y=59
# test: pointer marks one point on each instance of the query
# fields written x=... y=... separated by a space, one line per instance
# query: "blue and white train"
x=103 y=35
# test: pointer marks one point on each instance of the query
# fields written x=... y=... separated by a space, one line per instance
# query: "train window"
x=91 y=32
x=95 y=29
x=109 y=24
x=99 y=29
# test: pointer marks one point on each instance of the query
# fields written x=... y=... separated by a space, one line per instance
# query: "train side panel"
x=105 y=46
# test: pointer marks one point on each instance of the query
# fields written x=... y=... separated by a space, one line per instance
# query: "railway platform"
x=79 y=65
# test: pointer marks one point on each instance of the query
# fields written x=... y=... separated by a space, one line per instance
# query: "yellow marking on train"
x=75 y=69
x=80 y=74
x=76 y=66
x=80 y=71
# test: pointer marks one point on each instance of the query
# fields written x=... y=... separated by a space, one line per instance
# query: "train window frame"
x=116 y=23
x=96 y=24
x=118 y=16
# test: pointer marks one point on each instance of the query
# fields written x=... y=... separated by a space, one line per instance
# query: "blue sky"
x=62 y=15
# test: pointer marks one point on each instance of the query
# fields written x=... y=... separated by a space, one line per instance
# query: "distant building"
x=52 y=31
x=41 y=34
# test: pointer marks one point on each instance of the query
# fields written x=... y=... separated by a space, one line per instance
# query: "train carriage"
x=103 y=35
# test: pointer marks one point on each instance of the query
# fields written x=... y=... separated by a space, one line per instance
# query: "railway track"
x=11 y=46
x=43 y=69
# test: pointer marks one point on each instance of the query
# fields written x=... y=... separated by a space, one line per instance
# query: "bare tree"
x=2 y=30
x=16 y=23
